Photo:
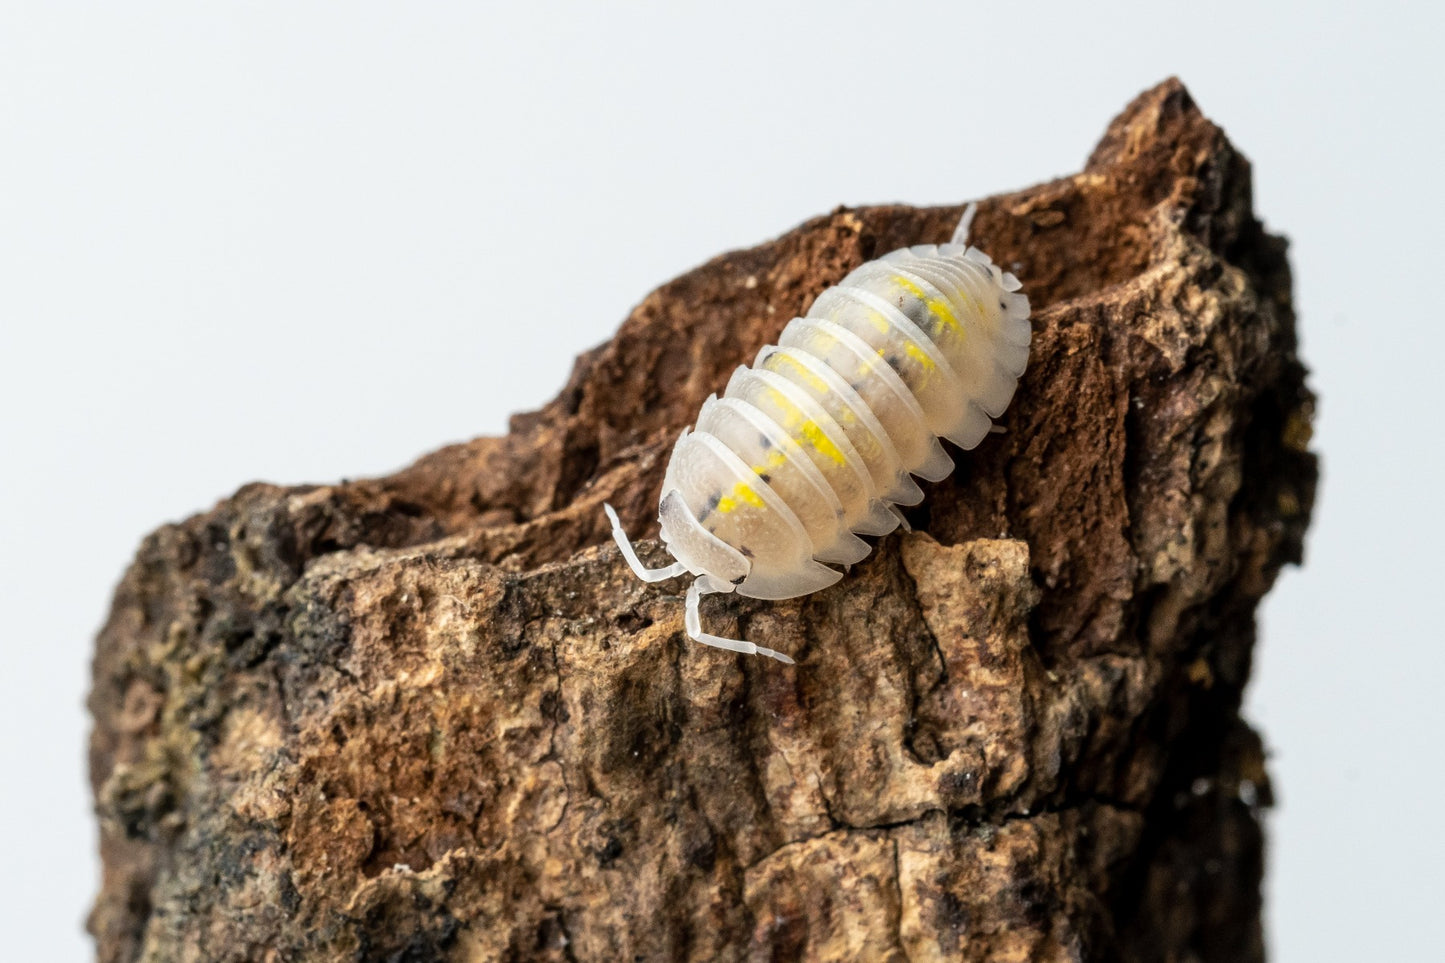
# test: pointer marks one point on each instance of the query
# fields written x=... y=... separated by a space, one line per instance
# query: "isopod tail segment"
x=701 y=585
x=960 y=233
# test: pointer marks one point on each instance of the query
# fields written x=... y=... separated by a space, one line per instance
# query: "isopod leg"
x=960 y=233
x=635 y=563
x=705 y=585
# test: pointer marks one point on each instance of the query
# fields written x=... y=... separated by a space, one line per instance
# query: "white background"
x=300 y=242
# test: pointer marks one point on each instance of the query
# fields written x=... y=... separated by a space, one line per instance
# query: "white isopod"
x=816 y=443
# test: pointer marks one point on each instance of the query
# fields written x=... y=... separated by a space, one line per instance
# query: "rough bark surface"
x=434 y=717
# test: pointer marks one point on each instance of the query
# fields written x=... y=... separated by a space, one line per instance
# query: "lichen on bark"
x=433 y=716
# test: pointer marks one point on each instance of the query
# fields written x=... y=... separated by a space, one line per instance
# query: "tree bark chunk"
x=434 y=717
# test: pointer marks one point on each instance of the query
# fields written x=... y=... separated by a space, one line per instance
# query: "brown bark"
x=433 y=716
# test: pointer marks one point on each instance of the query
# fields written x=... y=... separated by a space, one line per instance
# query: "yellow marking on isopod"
x=786 y=409
x=775 y=461
x=918 y=354
x=816 y=383
x=938 y=307
x=878 y=321
x=813 y=434
x=742 y=494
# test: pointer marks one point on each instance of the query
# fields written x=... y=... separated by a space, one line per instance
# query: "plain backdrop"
x=300 y=242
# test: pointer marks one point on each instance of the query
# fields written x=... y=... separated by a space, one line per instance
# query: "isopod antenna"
x=960 y=233
x=702 y=585
x=706 y=585
x=635 y=563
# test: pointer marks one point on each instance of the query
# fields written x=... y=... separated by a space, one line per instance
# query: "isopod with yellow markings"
x=818 y=442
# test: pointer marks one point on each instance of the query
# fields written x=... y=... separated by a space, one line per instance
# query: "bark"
x=433 y=716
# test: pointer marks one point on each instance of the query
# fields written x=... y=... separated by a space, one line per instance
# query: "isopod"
x=818 y=442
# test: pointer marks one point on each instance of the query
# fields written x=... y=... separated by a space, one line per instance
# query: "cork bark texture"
x=434 y=717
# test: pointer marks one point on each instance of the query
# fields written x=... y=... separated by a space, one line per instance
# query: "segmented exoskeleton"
x=818 y=441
